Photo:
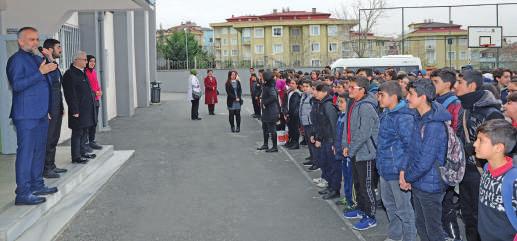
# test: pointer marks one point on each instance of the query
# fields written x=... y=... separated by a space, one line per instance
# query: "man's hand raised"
x=47 y=68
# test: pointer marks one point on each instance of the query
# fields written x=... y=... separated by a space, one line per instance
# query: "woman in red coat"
x=210 y=91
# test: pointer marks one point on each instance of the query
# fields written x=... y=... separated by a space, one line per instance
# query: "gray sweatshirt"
x=364 y=128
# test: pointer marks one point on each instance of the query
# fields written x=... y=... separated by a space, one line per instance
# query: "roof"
x=435 y=27
x=283 y=15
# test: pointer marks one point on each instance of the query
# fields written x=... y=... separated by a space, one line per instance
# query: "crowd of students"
x=421 y=141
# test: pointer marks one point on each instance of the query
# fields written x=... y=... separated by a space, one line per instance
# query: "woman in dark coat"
x=270 y=112
x=210 y=91
x=234 y=100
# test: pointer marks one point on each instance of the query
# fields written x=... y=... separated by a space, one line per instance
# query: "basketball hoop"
x=487 y=45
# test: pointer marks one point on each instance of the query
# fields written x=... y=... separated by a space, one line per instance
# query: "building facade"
x=280 y=39
x=437 y=44
x=372 y=46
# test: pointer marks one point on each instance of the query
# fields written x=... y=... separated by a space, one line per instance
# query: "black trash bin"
x=155 y=92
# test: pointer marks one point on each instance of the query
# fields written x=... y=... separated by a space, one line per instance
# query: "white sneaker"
x=322 y=184
x=317 y=180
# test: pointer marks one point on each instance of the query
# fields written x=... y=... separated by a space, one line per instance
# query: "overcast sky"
x=204 y=12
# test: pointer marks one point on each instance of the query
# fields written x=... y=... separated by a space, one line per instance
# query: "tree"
x=173 y=47
x=368 y=19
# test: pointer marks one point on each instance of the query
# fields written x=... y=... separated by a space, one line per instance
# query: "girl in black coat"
x=270 y=112
x=234 y=99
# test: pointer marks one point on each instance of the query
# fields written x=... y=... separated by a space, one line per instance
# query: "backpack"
x=454 y=169
x=507 y=193
x=449 y=101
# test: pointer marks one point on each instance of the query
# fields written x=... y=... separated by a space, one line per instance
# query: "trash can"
x=155 y=92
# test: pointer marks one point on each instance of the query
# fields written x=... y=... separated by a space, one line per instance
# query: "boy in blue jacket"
x=427 y=151
x=396 y=124
x=340 y=144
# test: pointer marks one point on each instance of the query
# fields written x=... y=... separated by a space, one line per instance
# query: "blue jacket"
x=428 y=149
x=341 y=135
x=31 y=89
x=394 y=139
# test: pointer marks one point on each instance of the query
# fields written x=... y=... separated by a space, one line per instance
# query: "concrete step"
x=16 y=220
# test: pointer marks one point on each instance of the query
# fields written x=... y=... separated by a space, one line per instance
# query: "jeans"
x=428 y=215
x=346 y=171
x=400 y=212
x=324 y=156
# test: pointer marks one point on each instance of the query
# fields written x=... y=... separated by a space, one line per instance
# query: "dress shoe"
x=294 y=147
x=238 y=129
x=80 y=160
x=233 y=129
x=263 y=147
x=89 y=156
x=324 y=191
x=59 y=170
x=313 y=168
x=331 y=195
x=308 y=158
x=95 y=146
x=29 y=200
x=273 y=149
x=50 y=174
x=45 y=191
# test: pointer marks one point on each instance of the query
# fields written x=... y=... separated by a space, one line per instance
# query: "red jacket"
x=210 y=90
x=94 y=82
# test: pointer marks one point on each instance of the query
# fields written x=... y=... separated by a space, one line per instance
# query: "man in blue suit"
x=27 y=74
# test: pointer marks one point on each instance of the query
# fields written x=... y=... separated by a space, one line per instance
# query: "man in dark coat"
x=81 y=107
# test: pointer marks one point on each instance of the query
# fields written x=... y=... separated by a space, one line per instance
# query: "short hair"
x=50 y=43
x=361 y=70
x=492 y=88
x=342 y=82
x=331 y=78
x=362 y=82
x=322 y=87
x=499 y=72
x=401 y=76
x=512 y=97
x=344 y=95
x=24 y=29
x=288 y=81
x=209 y=70
x=473 y=76
x=500 y=131
x=392 y=88
x=306 y=81
x=79 y=54
x=423 y=87
x=446 y=74
x=254 y=75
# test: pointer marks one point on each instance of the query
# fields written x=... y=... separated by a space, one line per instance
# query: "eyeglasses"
x=354 y=87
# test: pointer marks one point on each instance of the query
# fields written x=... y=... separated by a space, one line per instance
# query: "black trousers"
x=256 y=106
x=78 y=142
x=269 y=129
x=449 y=214
x=194 y=111
x=235 y=116
x=211 y=108
x=93 y=130
x=294 y=130
x=469 y=198
x=54 y=132
x=362 y=171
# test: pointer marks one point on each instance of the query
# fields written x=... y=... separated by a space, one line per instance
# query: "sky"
x=203 y=12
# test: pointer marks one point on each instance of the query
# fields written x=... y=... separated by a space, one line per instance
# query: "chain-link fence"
x=165 y=64
x=439 y=35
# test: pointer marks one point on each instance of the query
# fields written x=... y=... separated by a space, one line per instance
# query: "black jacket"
x=80 y=99
x=326 y=120
x=231 y=97
x=269 y=104
x=56 y=108
x=479 y=107
x=292 y=105
x=256 y=89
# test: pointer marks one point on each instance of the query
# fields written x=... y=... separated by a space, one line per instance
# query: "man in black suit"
x=52 y=50
x=81 y=107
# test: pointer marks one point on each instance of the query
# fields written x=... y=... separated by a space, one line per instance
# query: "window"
x=225 y=42
x=224 y=31
x=225 y=52
x=315 y=47
x=451 y=55
x=259 y=49
x=277 y=31
x=315 y=63
x=296 y=48
x=246 y=33
x=235 y=52
x=463 y=55
x=429 y=44
x=315 y=30
x=296 y=32
x=278 y=48
x=69 y=38
x=431 y=57
x=332 y=30
x=234 y=41
x=233 y=31
x=259 y=62
x=462 y=42
x=332 y=47
x=259 y=32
